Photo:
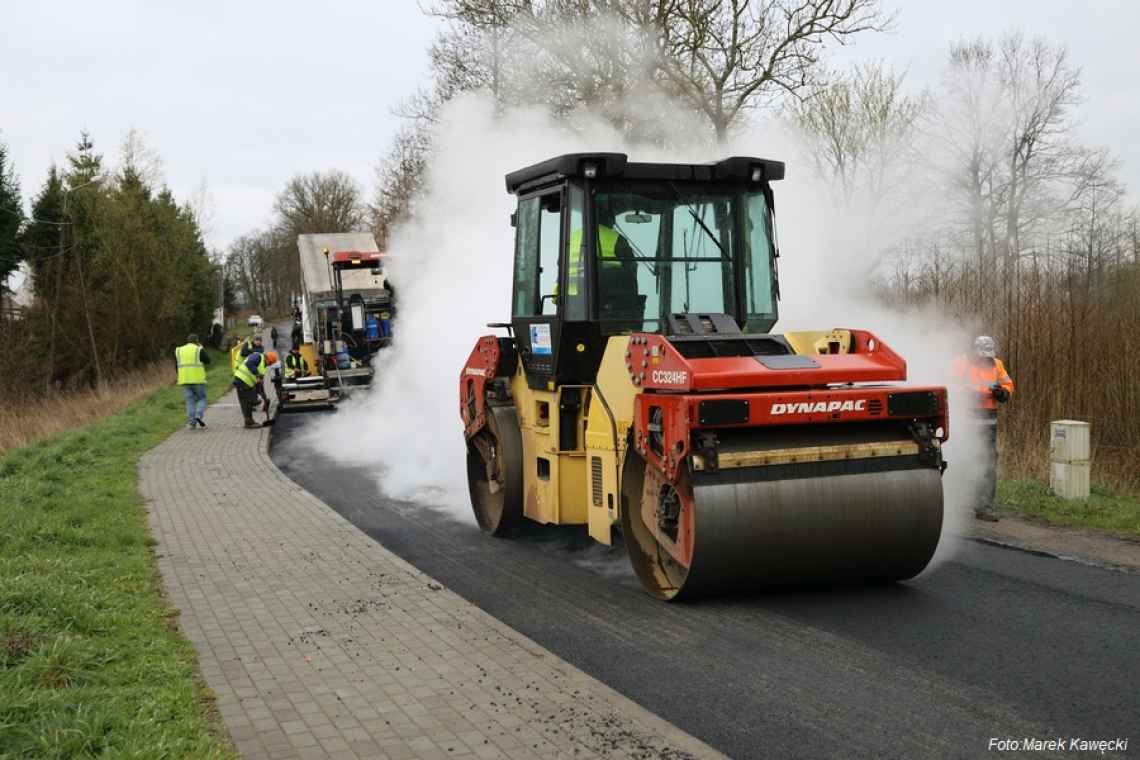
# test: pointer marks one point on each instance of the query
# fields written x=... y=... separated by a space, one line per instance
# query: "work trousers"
x=195 y=395
x=247 y=398
x=987 y=485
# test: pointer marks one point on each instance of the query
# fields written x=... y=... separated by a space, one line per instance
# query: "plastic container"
x=1069 y=459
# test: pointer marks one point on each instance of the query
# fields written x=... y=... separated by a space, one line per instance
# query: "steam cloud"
x=452 y=270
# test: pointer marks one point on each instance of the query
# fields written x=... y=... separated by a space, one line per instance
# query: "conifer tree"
x=11 y=218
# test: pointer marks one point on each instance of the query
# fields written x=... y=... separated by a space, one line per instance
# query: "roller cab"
x=639 y=392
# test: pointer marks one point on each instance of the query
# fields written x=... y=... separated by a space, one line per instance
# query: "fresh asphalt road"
x=994 y=643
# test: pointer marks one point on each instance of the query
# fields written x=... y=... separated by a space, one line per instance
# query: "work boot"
x=986 y=515
x=201 y=423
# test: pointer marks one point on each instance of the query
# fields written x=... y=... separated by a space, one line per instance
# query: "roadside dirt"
x=1081 y=544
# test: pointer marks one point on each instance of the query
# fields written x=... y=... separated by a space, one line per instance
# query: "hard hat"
x=271 y=357
x=985 y=347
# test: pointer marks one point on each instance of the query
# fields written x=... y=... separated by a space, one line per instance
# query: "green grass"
x=1103 y=510
x=91 y=660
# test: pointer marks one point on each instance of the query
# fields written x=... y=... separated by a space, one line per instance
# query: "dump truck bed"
x=316 y=273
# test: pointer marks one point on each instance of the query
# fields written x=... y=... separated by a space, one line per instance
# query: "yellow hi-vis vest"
x=243 y=372
x=235 y=353
x=191 y=371
x=295 y=365
x=607 y=251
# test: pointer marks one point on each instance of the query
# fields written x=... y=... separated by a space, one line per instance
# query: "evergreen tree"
x=85 y=162
x=120 y=278
x=39 y=242
x=11 y=218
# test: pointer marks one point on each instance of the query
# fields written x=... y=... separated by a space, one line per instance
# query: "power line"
x=57 y=255
x=32 y=219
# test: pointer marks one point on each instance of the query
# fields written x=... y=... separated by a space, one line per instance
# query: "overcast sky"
x=244 y=94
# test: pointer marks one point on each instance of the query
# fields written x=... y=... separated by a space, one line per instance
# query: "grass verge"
x=33 y=418
x=1105 y=509
x=91 y=660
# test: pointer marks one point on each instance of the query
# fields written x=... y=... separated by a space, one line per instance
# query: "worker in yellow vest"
x=247 y=379
x=191 y=359
x=608 y=240
x=245 y=348
x=616 y=271
x=295 y=364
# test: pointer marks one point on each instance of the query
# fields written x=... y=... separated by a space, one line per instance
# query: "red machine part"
x=679 y=415
x=655 y=364
x=479 y=369
x=356 y=258
x=657 y=491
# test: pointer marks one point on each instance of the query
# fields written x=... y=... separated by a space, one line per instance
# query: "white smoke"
x=828 y=258
x=451 y=267
x=452 y=270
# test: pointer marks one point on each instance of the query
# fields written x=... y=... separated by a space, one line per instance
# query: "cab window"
x=537 y=240
x=575 y=259
x=526 y=259
x=549 y=236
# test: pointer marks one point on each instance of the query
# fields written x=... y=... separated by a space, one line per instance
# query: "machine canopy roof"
x=618 y=165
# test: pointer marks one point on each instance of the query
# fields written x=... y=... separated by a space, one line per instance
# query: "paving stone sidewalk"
x=318 y=642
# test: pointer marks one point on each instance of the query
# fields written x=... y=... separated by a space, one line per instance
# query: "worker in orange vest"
x=984 y=374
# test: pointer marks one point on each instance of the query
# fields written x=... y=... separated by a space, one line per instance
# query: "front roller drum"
x=494 y=472
x=736 y=531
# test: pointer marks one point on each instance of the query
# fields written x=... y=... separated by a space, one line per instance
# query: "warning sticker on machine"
x=540 y=340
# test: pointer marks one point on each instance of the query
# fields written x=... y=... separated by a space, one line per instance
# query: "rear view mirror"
x=637 y=218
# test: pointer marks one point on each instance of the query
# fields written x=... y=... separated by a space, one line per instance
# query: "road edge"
x=650 y=720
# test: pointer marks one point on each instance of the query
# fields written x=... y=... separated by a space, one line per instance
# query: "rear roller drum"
x=494 y=472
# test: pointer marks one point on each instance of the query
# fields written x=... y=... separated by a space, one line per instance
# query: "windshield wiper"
x=698 y=220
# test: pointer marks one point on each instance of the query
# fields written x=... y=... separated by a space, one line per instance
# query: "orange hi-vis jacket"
x=981 y=378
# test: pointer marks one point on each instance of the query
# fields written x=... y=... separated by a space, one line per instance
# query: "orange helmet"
x=271 y=357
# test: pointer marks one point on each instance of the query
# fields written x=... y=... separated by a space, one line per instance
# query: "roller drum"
x=752 y=533
x=840 y=528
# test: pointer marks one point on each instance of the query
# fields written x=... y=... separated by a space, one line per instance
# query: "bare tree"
x=203 y=206
x=399 y=176
x=724 y=57
x=320 y=202
x=1042 y=88
x=562 y=54
x=137 y=156
x=859 y=128
x=472 y=53
x=968 y=132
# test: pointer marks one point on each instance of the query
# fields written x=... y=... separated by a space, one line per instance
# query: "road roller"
x=640 y=392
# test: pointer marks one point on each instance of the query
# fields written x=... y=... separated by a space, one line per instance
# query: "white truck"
x=346 y=313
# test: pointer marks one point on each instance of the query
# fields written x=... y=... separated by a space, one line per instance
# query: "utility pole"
x=55 y=297
x=82 y=282
x=222 y=293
